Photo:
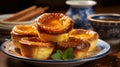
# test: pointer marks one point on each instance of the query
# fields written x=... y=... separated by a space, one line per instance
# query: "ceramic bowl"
x=6 y=26
x=107 y=26
x=103 y=49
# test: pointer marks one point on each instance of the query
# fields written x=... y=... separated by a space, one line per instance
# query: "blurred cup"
x=107 y=26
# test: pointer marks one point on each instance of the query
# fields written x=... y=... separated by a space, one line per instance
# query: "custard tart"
x=20 y=31
x=53 y=23
x=89 y=35
x=33 y=47
x=80 y=47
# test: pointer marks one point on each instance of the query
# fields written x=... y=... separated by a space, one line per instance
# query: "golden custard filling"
x=24 y=30
x=83 y=34
x=54 y=23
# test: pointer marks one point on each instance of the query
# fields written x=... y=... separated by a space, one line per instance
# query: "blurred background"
x=12 y=6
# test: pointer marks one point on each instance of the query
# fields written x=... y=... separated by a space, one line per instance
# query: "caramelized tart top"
x=83 y=34
x=54 y=23
x=24 y=30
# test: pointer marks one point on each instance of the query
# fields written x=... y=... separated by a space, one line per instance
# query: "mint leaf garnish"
x=67 y=54
x=57 y=55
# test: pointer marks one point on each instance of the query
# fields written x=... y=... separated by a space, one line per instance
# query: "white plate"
x=8 y=25
x=103 y=47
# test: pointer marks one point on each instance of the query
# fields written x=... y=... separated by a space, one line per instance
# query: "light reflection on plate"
x=103 y=47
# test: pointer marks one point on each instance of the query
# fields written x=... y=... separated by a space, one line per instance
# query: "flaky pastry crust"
x=89 y=35
x=33 y=47
x=54 y=23
x=20 y=31
x=34 y=41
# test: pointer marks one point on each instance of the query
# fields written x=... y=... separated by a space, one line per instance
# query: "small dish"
x=107 y=25
x=103 y=50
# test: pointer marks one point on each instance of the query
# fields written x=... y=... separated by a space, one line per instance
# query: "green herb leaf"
x=68 y=54
x=59 y=55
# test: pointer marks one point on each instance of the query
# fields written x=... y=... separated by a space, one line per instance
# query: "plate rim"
x=106 y=50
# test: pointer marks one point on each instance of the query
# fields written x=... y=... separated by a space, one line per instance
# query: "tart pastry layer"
x=80 y=47
x=34 y=48
x=20 y=31
x=53 y=38
x=89 y=35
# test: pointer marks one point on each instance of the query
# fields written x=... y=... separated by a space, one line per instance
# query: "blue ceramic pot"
x=78 y=11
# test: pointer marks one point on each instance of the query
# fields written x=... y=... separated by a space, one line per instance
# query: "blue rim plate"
x=103 y=47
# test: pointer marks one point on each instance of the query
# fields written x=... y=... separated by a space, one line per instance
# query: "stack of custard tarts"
x=50 y=32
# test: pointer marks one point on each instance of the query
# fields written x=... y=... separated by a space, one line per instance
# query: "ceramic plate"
x=8 y=25
x=102 y=46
